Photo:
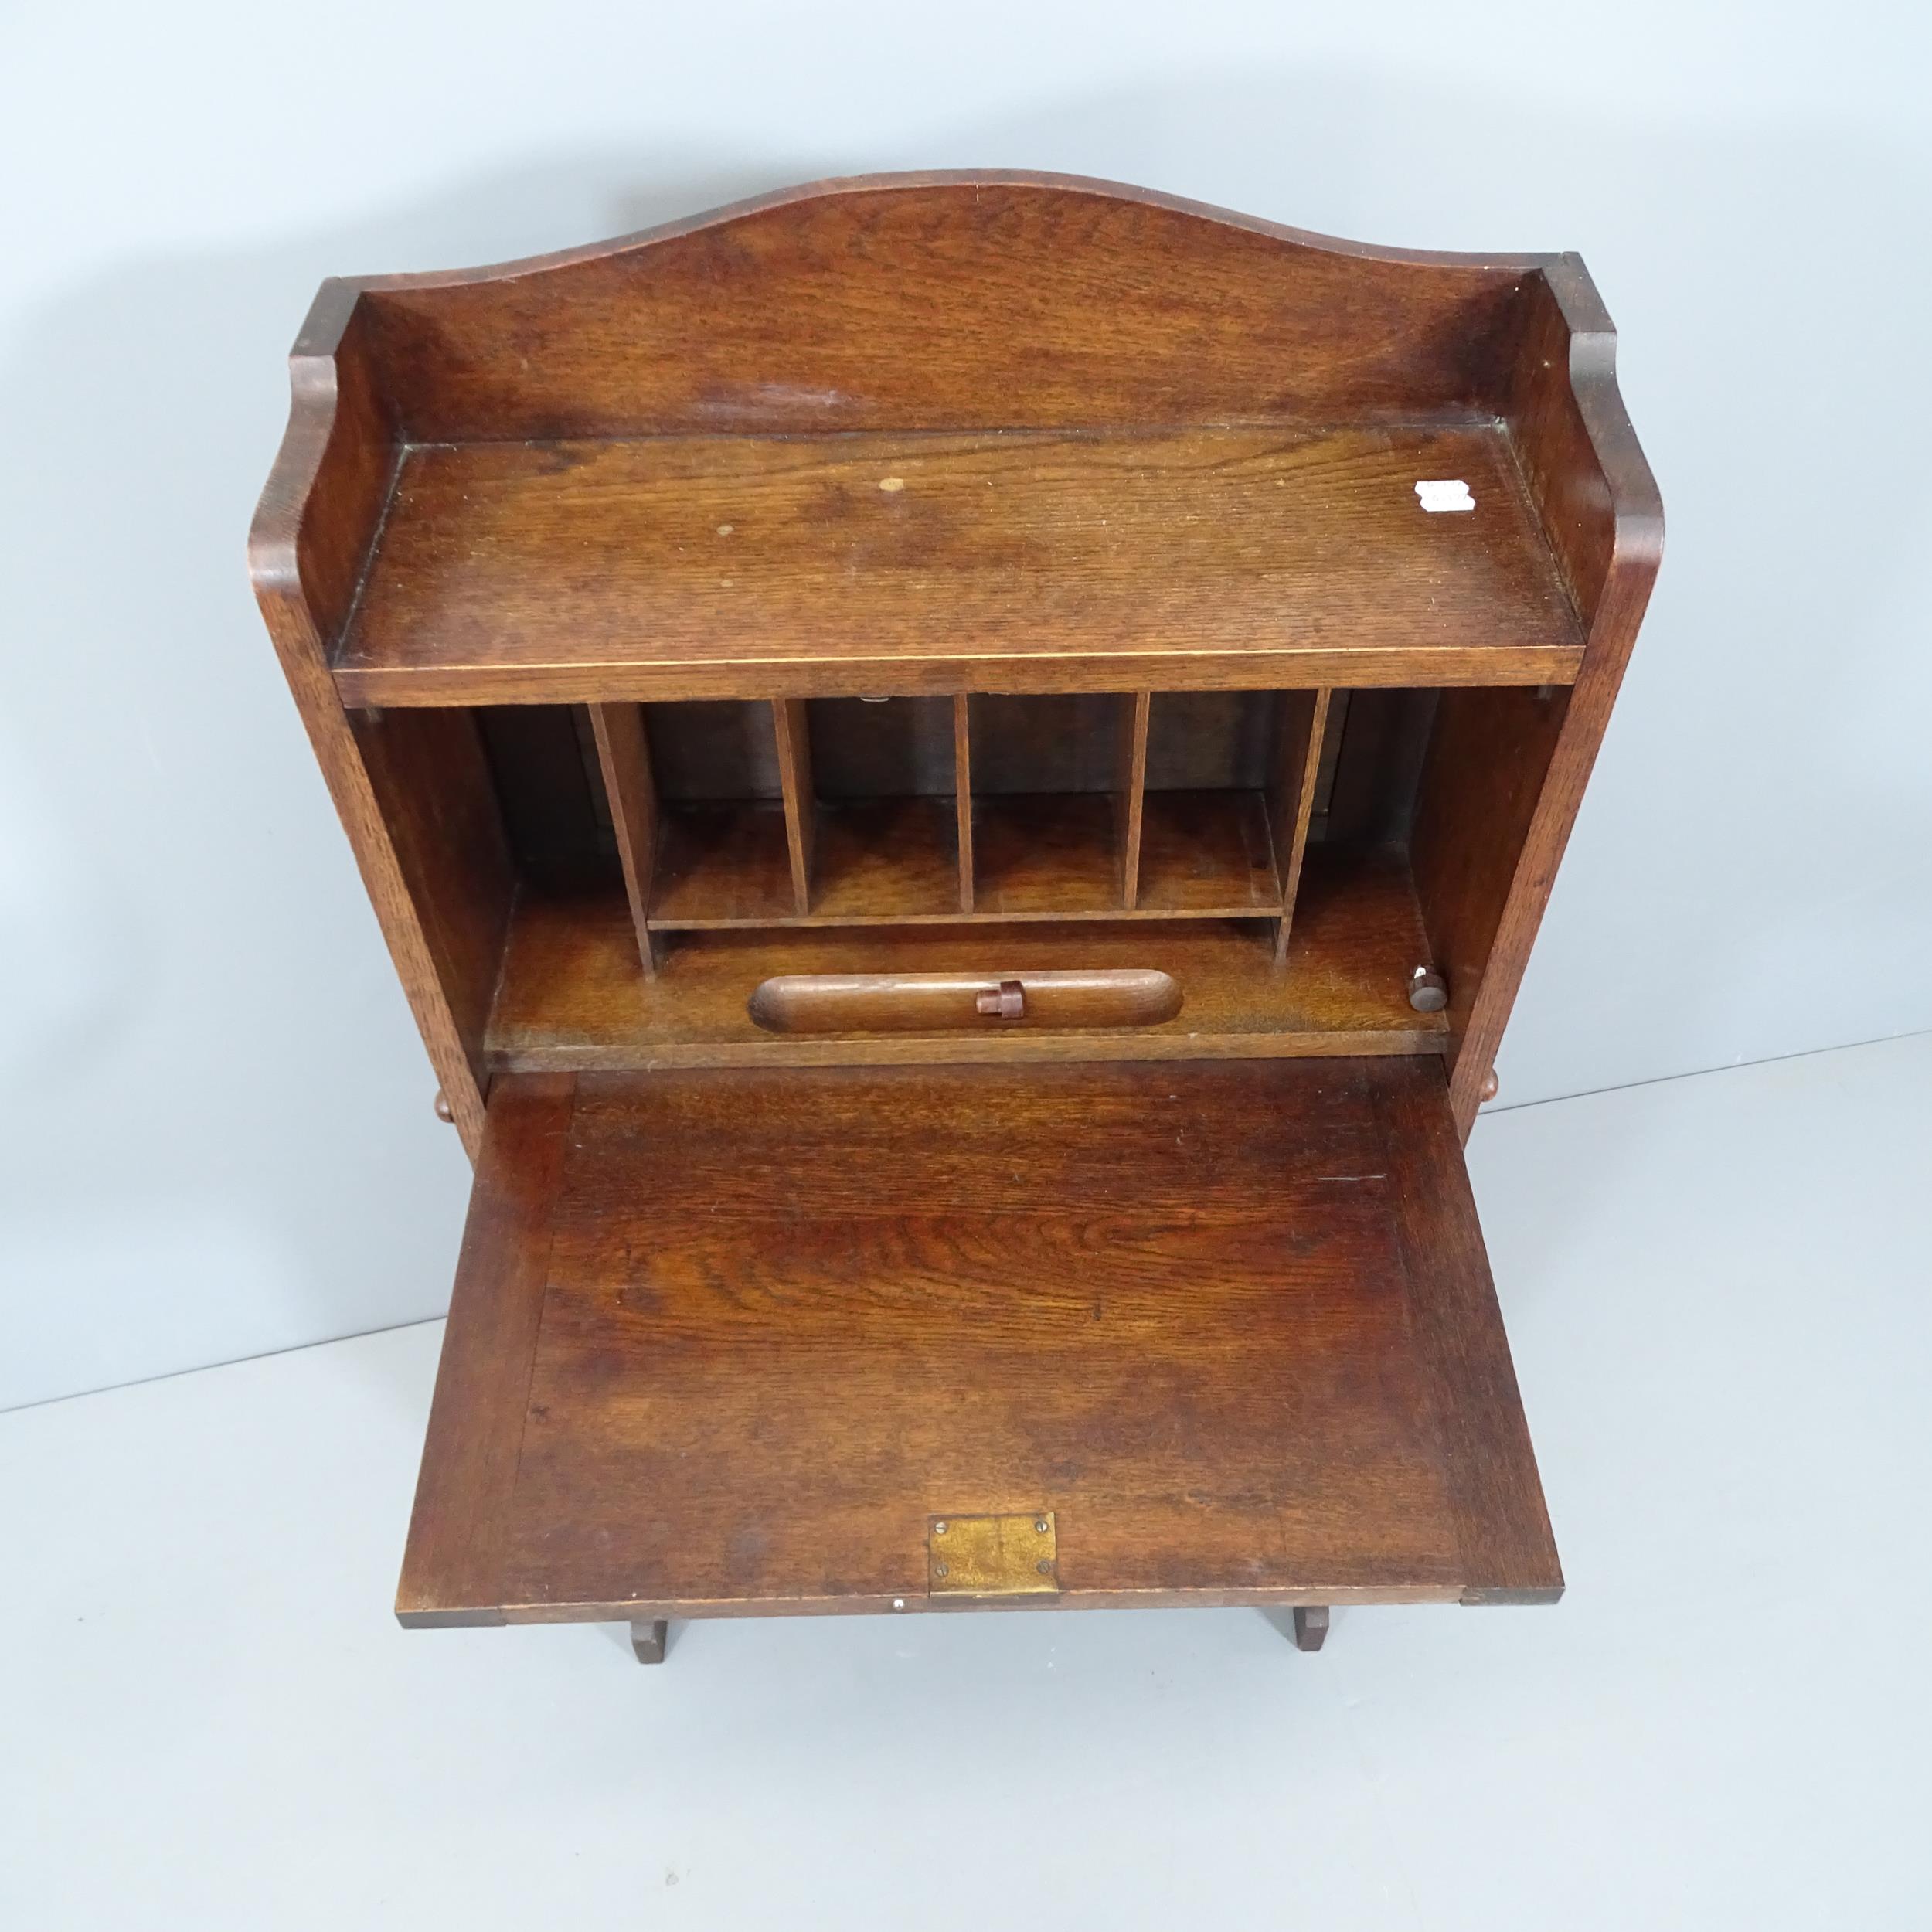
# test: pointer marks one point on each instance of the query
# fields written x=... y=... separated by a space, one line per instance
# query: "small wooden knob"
x=1010 y=1002
x=1490 y=1084
x=444 y=1112
x=1428 y=991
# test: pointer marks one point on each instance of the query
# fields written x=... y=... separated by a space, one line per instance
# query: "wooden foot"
x=648 y=1639
x=1311 y=1625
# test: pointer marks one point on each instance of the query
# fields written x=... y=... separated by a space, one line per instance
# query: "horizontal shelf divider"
x=601 y=570
x=1099 y=915
x=1338 y=666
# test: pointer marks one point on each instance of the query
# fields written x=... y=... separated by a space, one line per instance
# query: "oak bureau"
x=960 y=772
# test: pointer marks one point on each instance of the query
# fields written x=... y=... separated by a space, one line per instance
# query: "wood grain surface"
x=571 y=997
x=963 y=795
x=1509 y=1555
x=1077 y=366
x=471 y=1459
x=1595 y=495
x=699 y=566
x=832 y=1003
x=1207 y=853
x=1105 y=501
x=312 y=531
x=800 y=796
x=1293 y=777
x=787 y=1318
x=989 y=299
x=624 y=760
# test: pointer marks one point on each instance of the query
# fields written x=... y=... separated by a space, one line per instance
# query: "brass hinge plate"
x=993 y=1555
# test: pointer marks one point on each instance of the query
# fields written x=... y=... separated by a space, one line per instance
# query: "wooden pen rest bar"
x=1107 y=996
x=960 y=773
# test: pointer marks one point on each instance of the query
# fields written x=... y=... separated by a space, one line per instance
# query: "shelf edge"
x=1287 y=670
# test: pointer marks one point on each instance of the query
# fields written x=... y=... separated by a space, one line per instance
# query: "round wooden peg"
x=1428 y=991
x=1490 y=1084
x=444 y=1112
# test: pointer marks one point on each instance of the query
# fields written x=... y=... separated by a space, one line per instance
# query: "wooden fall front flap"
x=732 y=1340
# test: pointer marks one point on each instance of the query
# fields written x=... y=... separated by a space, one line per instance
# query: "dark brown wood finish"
x=1049 y=856
x=1206 y=854
x=1488 y=761
x=428 y=775
x=989 y=299
x=1599 y=501
x=1270 y=331
x=571 y=998
x=544 y=766
x=476 y=1427
x=963 y=795
x=801 y=801
x=1291 y=789
x=1191 y=558
x=1129 y=792
x=1502 y=1526
x=979 y=642
x=721 y=866
x=625 y=758
x=989 y=1004
x=313 y=530
x=1001 y=1289
x=885 y=860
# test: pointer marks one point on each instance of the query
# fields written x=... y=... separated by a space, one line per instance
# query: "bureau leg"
x=1311 y=1625
x=648 y=1640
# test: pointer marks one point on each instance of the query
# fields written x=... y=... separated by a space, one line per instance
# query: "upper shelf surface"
x=690 y=566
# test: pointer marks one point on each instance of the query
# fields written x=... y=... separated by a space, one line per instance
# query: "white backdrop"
x=217 y=1119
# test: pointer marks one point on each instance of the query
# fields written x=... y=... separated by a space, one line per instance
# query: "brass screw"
x=1044 y=1568
x=1040 y=1523
x=939 y=1569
